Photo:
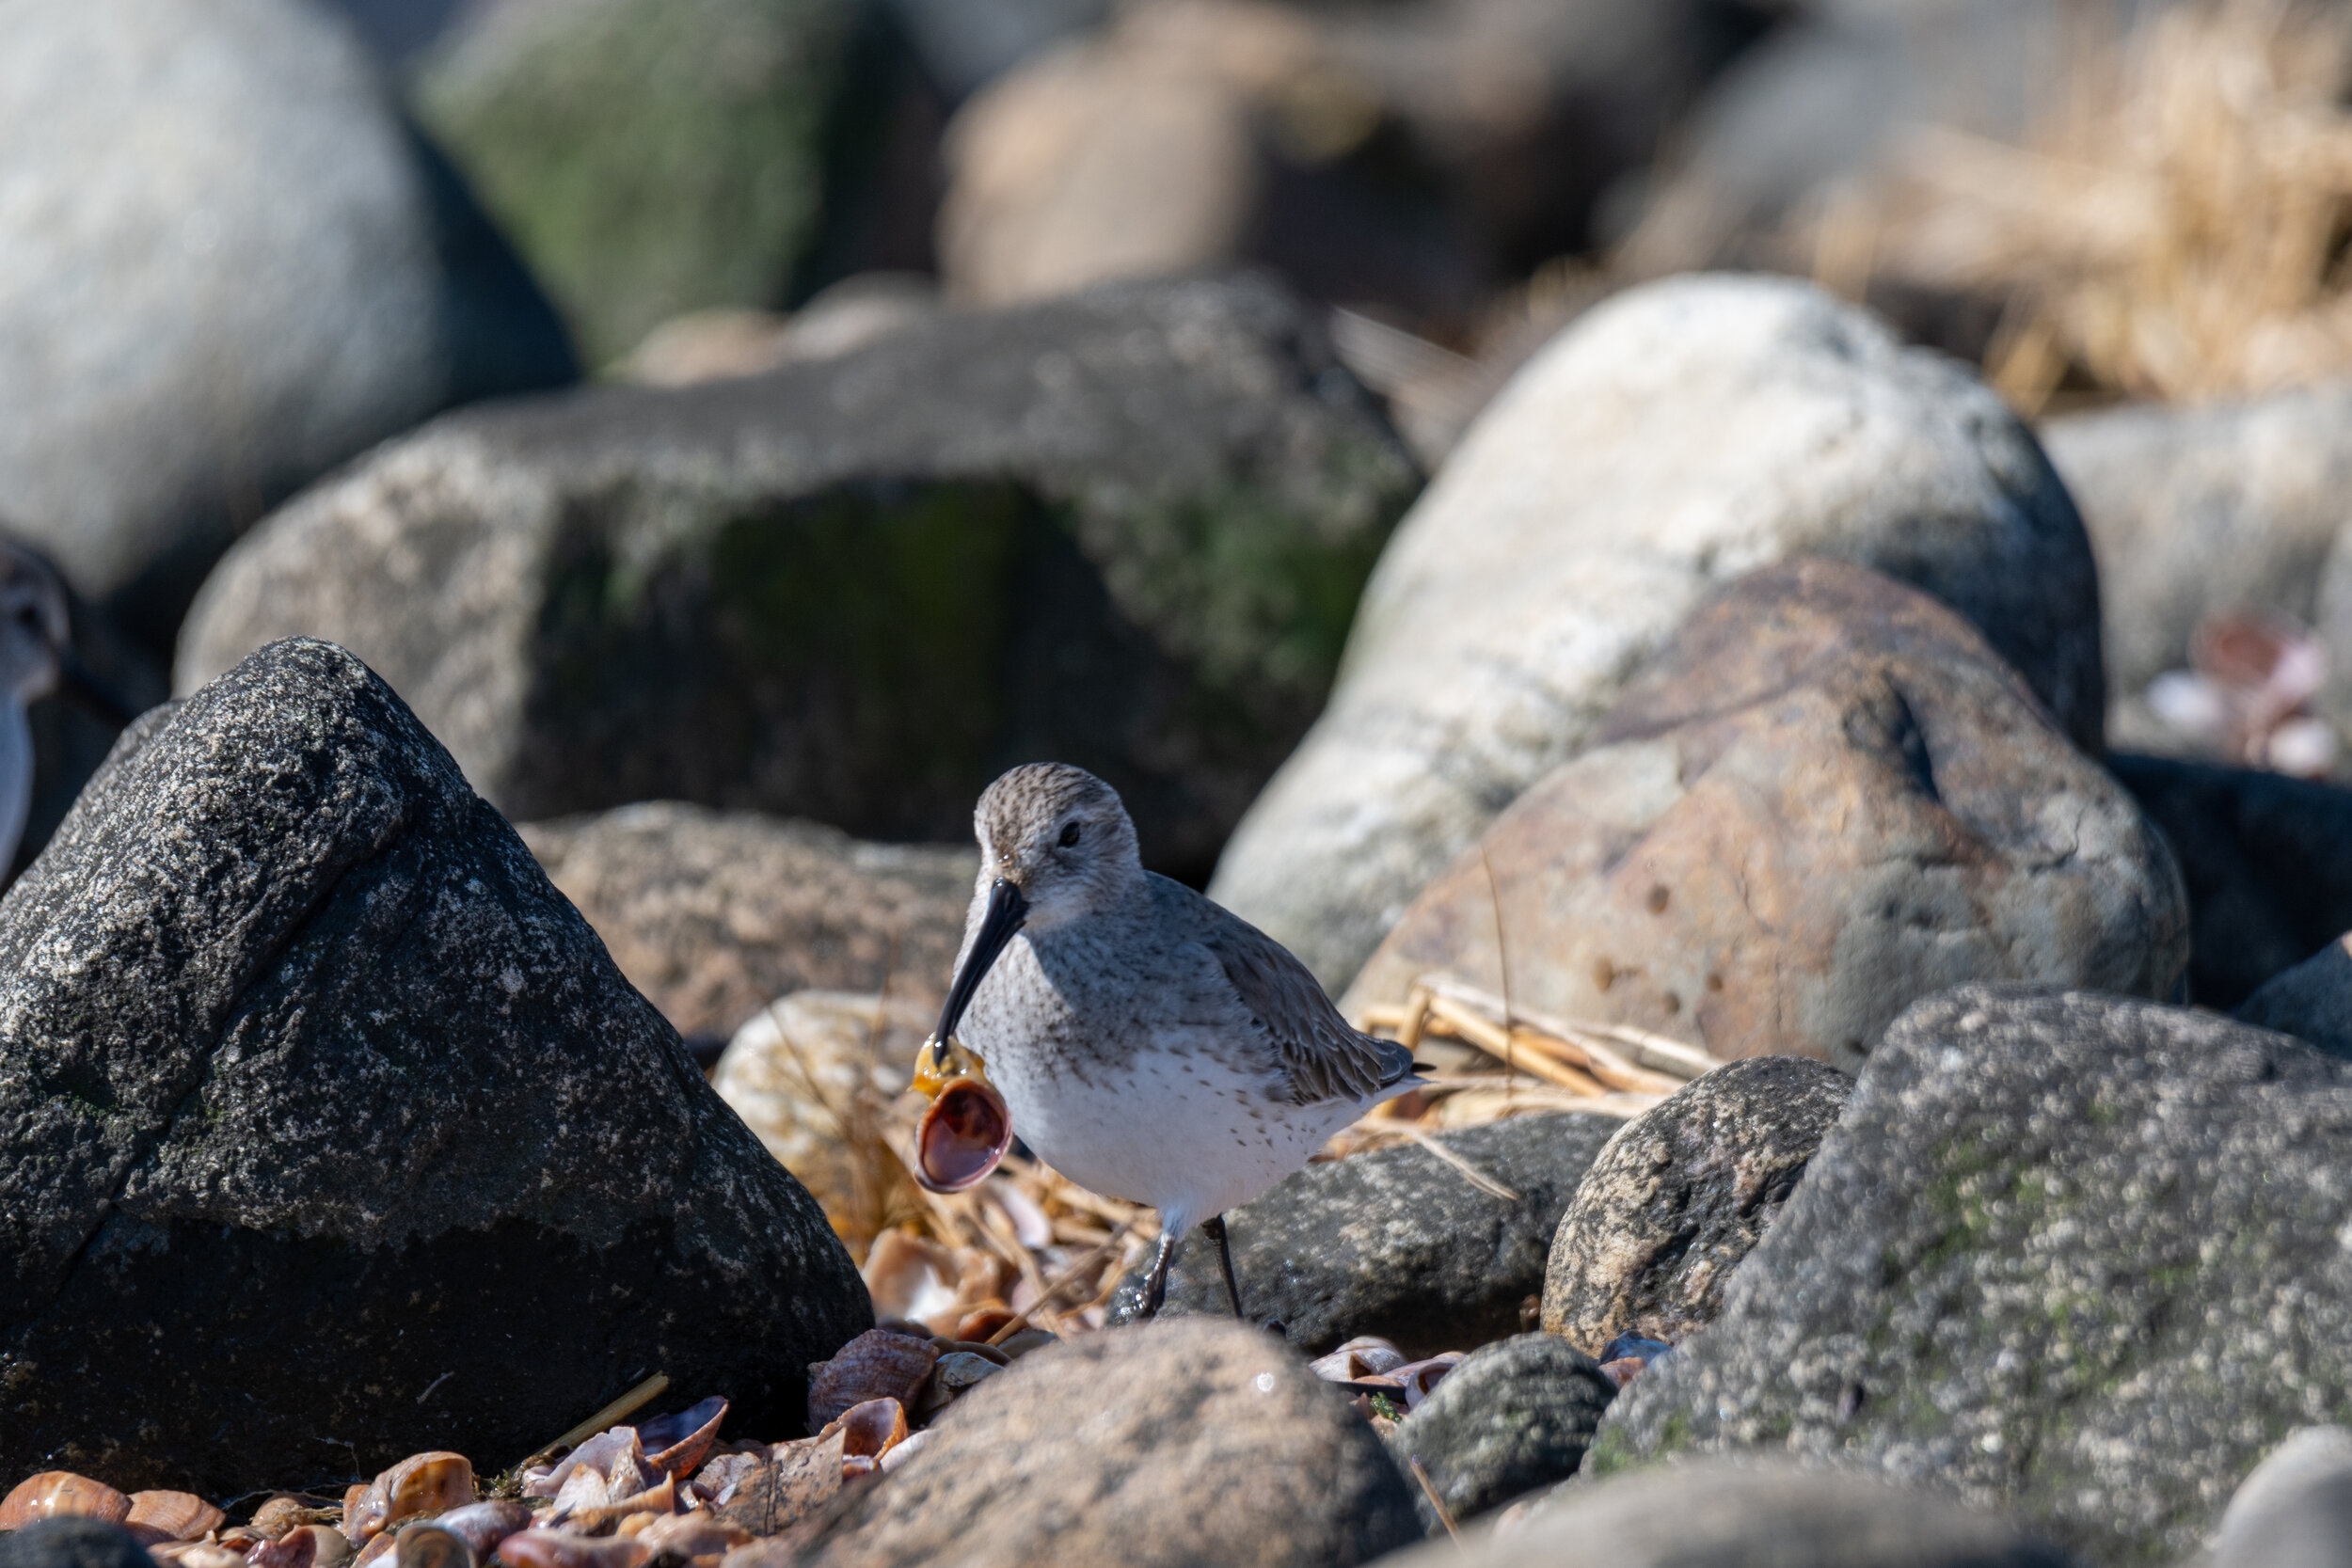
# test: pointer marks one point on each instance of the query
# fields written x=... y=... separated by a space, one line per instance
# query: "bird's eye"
x=1068 y=834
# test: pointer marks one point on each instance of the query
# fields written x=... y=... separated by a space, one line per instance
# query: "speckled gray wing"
x=1323 y=1058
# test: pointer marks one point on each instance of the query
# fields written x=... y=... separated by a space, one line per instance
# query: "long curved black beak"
x=1007 y=910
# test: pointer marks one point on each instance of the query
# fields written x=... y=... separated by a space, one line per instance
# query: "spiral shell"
x=877 y=1365
x=482 y=1526
x=59 y=1492
x=156 y=1518
x=423 y=1483
x=962 y=1136
x=297 y=1549
x=677 y=1443
x=282 y=1513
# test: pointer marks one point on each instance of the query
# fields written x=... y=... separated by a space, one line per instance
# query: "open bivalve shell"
x=53 y=1493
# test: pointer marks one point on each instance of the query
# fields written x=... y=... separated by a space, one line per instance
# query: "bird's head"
x=1054 y=845
x=34 y=629
x=1060 y=837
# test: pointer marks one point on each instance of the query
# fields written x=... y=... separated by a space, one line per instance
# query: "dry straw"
x=2176 y=231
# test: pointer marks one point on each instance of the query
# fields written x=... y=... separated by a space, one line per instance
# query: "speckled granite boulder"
x=2073 y=1256
x=1515 y=1414
x=1125 y=529
x=323 y=1114
x=1164 y=1446
x=1395 y=1242
x=1681 y=436
x=1680 y=1196
x=1761 y=1513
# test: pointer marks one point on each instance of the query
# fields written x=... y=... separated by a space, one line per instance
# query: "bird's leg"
x=1155 y=1285
x=1215 y=1225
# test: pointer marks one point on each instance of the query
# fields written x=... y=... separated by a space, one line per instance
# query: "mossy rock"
x=1126 y=530
x=648 y=156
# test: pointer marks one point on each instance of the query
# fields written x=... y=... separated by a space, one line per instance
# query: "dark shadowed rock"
x=2078 y=1256
x=1826 y=797
x=1514 y=1415
x=2267 y=861
x=1680 y=1196
x=1126 y=531
x=1757 y=1515
x=2312 y=1001
x=71 y=1543
x=1579 y=522
x=714 y=914
x=1169 y=1443
x=1395 y=1242
x=186 y=337
x=2296 y=1509
x=325 y=1116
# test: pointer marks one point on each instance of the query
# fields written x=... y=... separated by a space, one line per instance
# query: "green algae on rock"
x=1126 y=530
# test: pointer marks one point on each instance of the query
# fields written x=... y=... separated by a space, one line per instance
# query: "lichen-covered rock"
x=2079 y=1257
x=1515 y=1414
x=2267 y=861
x=714 y=914
x=1745 y=1515
x=322 y=1115
x=1680 y=1196
x=649 y=156
x=226 y=266
x=1395 y=1242
x=1826 y=799
x=1125 y=530
x=1677 y=437
x=1169 y=1443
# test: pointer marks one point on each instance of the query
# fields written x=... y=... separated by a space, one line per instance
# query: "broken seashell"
x=714 y=1485
x=1366 y=1356
x=1623 y=1371
x=693 y=1535
x=559 y=1548
x=936 y=1065
x=381 y=1546
x=1419 y=1377
x=329 y=1549
x=661 y=1497
x=424 y=1544
x=983 y=1320
x=875 y=1365
x=596 y=1456
x=869 y=1431
x=1030 y=1227
x=423 y=1483
x=482 y=1525
x=54 y=1493
x=157 y=1518
x=677 y=1443
x=962 y=1136
x=294 y=1549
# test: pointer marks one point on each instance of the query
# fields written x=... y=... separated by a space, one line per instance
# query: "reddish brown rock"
x=1828 y=799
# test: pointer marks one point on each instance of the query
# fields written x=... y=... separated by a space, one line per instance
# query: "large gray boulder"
x=226 y=266
x=1125 y=530
x=1678 y=437
x=1396 y=1243
x=1165 y=1446
x=1824 y=799
x=2075 y=1255
x=322 y=1116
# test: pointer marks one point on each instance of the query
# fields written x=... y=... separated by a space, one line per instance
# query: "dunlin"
x=1149 y=1045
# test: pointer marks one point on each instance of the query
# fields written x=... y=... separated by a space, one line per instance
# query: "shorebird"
x=1149 y=1045
x=36 y=654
